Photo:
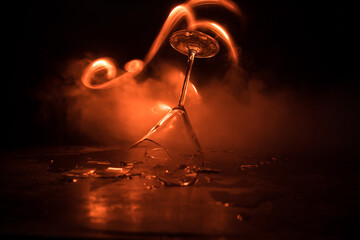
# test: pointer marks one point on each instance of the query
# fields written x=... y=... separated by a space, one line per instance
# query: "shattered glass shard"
x=172 y=141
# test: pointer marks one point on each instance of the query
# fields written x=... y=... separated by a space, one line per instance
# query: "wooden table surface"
x=255 y=196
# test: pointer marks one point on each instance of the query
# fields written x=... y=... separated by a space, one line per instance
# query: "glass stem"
x=187 y=77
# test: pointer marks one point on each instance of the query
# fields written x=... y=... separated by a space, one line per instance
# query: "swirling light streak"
x=134 y=67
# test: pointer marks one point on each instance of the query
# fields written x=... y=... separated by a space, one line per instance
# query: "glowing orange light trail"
x=228 y=4
x=134 y=67
x=174 y=17
x=109 y=66
x=224 y=35
x=195 y=90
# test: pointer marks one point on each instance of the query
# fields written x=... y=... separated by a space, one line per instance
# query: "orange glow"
x=109 y=66
x=174 y=17
x=104 y=64
x=224 y=35
x=164 y=106
x=164 y=119
x=229 y=5
x=115 y=169
x=221 y=31
x=160 y=108
x=98 y=209
x=134 y=67
x=195 y=90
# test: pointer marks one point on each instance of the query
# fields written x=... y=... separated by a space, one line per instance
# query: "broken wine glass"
x=172 y=149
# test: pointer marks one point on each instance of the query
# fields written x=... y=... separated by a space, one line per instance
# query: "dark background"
x=306 y=45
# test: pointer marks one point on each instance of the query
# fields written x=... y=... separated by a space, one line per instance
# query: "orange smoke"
x=129 y=109
x=248 y=118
